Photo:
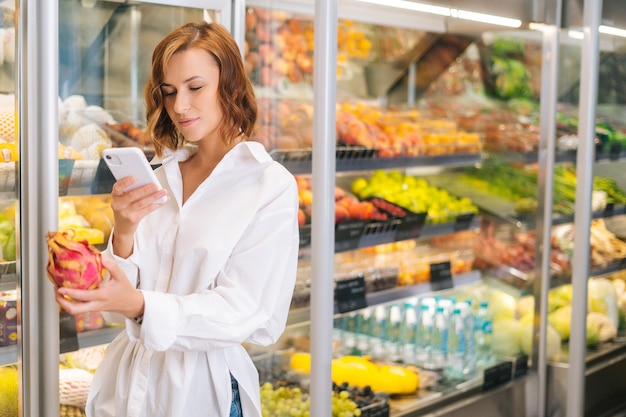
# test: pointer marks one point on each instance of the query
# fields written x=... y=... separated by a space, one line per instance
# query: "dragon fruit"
x=73 y=264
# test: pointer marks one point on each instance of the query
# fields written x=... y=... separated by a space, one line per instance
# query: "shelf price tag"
x=350 y=294
x=411 y=226
x=609 y=209
x=348 y=235
x=441 y=276
x=68 y=337
x=305 y=236
x=497 y=375
x=521 y=366
x=463 y=221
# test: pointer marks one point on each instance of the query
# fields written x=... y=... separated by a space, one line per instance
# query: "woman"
x=212 y=267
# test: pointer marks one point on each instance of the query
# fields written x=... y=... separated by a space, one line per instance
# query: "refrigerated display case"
x=515 y=128
x=418 y=96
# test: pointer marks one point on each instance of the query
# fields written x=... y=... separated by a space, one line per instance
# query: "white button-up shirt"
x=214 y=272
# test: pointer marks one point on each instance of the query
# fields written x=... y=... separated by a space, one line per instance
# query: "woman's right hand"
x=129 y=207
x=115 y=295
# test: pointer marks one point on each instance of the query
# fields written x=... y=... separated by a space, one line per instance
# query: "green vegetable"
x=507 y=336
x=7 y=238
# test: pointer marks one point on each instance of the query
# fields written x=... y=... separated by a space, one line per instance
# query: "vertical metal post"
x=38 y=183
x=412 y=80
x=584 y=186
x=546 y=159
x=238 y=23
x=323 y=219
x=136 y=96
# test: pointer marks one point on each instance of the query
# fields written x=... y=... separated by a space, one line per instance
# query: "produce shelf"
x=302 y=314
x=504 y=210
x=359 y=234
x=298 y=161
x=8 y=354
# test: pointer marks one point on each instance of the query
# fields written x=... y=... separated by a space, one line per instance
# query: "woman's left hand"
x=116 y=295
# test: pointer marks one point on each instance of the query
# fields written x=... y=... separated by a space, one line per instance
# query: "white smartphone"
x=126 y=161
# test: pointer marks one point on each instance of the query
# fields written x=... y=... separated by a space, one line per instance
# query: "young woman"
x=212 y=267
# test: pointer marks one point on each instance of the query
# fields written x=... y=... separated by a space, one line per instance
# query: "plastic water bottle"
x=392 y=335
x=423 y=334
x=455 y=361
x=407 y=333
x=470 y=344
x=377 y=330
x=439 y=339
x=483 y=332
x=447 y=304
x=362 y=332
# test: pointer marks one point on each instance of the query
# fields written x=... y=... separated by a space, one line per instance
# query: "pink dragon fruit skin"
x=73 y=264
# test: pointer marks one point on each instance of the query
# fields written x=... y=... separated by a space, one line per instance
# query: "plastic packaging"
x=392 y=335
x=456 y=353
x=483 y=332
x=439 y=339
x=423 y=334
x=407 y=333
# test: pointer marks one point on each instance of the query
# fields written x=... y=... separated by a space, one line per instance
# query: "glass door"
x=105 y=52
x=9 y=281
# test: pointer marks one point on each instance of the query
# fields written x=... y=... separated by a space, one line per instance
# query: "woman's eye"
x=195 y=88
x=168 y=93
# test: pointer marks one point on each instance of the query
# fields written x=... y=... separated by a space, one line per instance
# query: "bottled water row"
x=435 y=333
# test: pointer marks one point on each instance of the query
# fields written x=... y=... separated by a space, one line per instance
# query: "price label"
x=348 y=235
x=305 y=236
x=497 y=375
x=521 y=366
x=67 y=333
x=350 y=294
x=615 y=151
x=441 y=276
x=463 y=221
x=411 y=226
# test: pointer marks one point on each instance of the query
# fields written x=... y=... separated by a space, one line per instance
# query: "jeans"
x=235 y=408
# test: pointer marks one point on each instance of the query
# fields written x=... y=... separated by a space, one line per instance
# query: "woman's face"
x=190 y=94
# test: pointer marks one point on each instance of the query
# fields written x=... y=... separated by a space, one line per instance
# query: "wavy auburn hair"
x=236 y=96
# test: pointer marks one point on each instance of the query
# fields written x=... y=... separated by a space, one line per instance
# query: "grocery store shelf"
x=505 y=209
x=363 y=159
x=302 y=315
x=465 y=399
x=8 y=355
x=359 y=234
x=604 y=370
x=398 y=293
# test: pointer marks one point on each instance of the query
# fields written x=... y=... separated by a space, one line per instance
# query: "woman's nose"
x=181 y=105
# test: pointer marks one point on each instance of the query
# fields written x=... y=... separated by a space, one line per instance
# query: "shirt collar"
x=242 y=150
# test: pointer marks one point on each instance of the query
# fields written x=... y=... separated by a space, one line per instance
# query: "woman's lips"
x=186 y=122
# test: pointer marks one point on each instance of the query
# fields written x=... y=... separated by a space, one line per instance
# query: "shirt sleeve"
x=253 y=291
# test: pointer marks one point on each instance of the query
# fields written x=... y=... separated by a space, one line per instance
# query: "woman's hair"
x=235 y=92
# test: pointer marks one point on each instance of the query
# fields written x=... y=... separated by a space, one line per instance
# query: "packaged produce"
x=8 y=318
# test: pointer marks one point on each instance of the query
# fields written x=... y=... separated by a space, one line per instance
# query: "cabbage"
x=506 y=339
x=554 y=341
x=559 y=297
x=501 y=304
x=602 y=298
x=561 y=320
x=526 y=305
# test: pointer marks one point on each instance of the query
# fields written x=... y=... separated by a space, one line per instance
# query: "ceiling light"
x=609 y=30
x=486 y=18
x=409 y=5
